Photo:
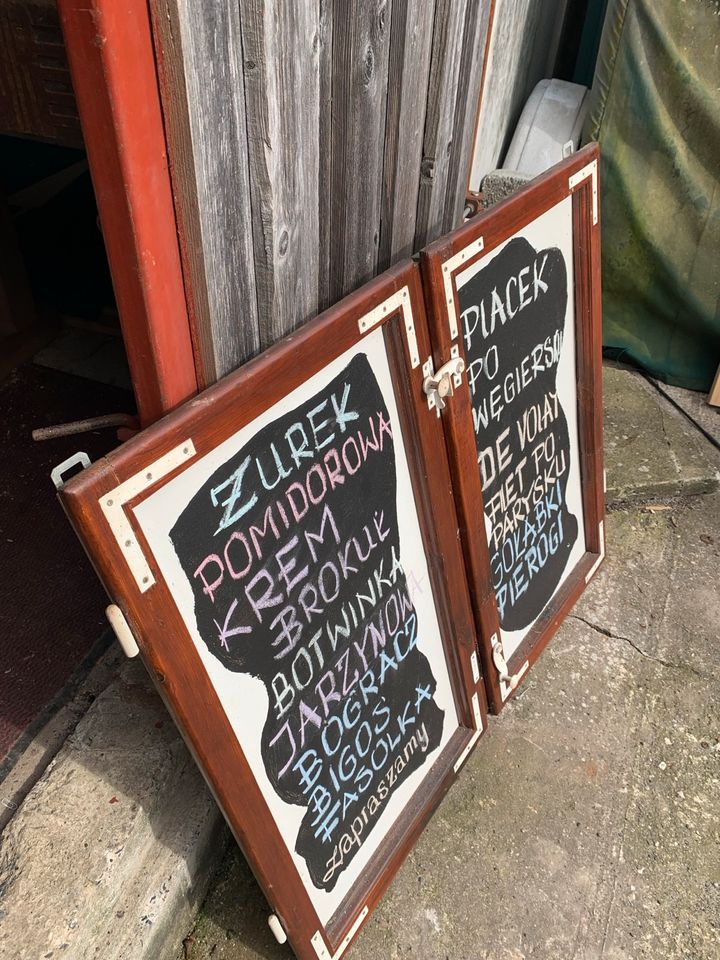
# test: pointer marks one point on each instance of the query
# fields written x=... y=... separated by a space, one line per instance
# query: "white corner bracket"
x=321 y=948
x=477 y=716
x=448 y=269
x=589 y=170
x=113 y=503
x=594 y=568
x=475 y=667
x=508 y=682
x=399 y=300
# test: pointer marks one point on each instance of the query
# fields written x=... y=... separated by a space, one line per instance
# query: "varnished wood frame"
x=168 y=650
x=110 y=52
x=578 y=176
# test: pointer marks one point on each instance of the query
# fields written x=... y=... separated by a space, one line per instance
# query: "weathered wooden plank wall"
x=311 y=145
x=325 y=37
x=522 y=51
x=440 y=118
x=203 y=91
x=361 y=47
x=408 y=74
x=472 y=77
x=282 y=95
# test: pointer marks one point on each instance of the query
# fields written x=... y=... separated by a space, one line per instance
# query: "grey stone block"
x=112 y=849
x=651 y=450
x=695 y=406
x=500 y=184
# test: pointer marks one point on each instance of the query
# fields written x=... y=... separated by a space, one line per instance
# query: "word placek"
x=516 y=293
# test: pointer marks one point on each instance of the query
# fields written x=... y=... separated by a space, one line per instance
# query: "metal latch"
x=508 y=681
x=501 y=666
x=440 y=384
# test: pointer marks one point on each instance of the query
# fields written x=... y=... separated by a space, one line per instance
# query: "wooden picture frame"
x=458 y=274
x=140 y=514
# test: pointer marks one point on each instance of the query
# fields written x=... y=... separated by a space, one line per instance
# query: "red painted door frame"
x=112 y=61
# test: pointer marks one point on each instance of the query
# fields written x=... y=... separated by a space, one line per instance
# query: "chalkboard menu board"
x=267 y=544
x=515 y=293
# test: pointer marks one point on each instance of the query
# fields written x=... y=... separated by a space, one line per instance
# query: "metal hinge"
x=440 y=384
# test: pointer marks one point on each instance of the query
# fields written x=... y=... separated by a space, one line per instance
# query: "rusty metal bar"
x=85 y=426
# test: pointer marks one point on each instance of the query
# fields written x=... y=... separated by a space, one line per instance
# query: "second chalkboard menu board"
x=284 y=550
x=515 y=296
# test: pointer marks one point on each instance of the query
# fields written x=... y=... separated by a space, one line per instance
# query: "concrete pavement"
x=651 y=449
x=586 y=824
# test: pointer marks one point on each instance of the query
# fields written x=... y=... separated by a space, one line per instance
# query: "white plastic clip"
x=121 y=629
x=78 y=459
x=277 y=929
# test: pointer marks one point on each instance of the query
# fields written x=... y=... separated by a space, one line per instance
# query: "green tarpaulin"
x=655 y=109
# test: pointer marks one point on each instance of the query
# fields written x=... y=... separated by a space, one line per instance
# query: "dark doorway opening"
x=62 y=359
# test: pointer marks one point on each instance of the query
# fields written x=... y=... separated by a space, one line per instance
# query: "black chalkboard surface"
x=284 y=552
x=293 y=551
x=515 y=294
x=513 y=321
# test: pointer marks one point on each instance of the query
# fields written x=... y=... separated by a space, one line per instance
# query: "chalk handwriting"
x=513 y=321
x=292 y=549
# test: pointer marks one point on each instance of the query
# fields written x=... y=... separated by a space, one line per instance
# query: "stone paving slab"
x=110 y=853
x=651 y=450
x=695 y=406
x=585 y=826
x=29 y=759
